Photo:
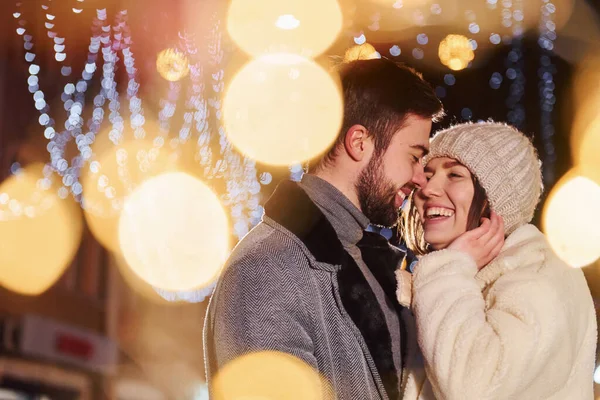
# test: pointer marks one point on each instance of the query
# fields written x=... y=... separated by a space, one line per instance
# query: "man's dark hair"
x=379 y=94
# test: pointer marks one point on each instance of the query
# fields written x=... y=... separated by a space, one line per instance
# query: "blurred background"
x=139 y=139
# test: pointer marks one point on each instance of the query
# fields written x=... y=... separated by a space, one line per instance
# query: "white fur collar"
x=524 y=247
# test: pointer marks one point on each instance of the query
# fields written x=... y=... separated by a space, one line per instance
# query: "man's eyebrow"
x=424 y=150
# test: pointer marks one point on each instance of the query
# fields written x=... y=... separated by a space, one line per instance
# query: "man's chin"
x=387 y=222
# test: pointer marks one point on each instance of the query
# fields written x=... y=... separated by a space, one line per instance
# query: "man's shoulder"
x=268 y=245
x=265 y=258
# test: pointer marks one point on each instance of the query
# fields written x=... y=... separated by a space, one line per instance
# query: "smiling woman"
x=452 y=203
x=495 y=309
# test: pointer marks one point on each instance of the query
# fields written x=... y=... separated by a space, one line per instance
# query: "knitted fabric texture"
x=504 y=162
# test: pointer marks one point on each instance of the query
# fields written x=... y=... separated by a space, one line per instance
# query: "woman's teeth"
x=435 y=212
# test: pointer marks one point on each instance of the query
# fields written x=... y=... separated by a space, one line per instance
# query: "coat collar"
x=524 y=247
x=290 y=207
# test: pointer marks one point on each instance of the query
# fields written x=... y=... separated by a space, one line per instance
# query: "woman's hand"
x=483 y=243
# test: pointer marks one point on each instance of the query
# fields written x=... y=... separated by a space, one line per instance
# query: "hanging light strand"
x=546 y=72
x=515 y=68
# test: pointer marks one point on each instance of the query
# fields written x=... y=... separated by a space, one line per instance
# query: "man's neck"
x=346 y=186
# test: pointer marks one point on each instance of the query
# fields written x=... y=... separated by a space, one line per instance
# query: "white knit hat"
x=504 y=162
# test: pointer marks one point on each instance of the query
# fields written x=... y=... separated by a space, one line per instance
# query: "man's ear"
x=357 y=142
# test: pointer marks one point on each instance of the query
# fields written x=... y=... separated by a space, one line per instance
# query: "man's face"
x=389 y=178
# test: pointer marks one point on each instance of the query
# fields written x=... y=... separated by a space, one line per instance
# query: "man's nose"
x=419 y=178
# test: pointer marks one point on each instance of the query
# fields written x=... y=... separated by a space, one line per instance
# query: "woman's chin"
x=437 y=246
x=437 y=243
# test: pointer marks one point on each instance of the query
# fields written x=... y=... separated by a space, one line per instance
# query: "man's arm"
x=257 y=306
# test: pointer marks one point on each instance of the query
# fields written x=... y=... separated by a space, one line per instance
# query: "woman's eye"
x=415 y=159
x=454 y=175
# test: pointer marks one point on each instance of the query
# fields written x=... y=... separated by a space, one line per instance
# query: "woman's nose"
x=431 y=189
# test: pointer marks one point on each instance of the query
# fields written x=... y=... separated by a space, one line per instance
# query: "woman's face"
x=444 y=203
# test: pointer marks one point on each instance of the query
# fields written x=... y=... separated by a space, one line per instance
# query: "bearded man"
x=300 y=282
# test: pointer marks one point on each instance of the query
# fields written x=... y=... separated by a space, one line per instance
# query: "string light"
x=395 y=50
x=243 y=187
x=239 y=172
x=474 y=29
x=514 y=62
x=546 y=71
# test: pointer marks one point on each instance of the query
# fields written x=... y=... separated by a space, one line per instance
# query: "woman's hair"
x=412 y=229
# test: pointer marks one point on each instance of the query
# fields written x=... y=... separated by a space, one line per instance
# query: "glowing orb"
x=287 y=22
x=36 y=247
x=363 y=51
x=116 y=173
x=588 y=148
x=174 y=232
x=282 y=109
x=305 y=27
x=456 y=52
x=270 y=375
x=571 y=222
x=172 y=65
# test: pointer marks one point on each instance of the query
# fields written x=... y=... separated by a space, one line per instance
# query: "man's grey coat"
x=290 y=286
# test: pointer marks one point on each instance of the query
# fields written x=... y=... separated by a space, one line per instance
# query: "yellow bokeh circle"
x=36 y=249
x=174 y=232
x=270 y=375
x=304 y=27
x=571 y=222
x=456 y=52
x=118 y=171
x=172 y=65
x=282 y=109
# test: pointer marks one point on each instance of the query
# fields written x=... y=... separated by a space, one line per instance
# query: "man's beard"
x=377 y=195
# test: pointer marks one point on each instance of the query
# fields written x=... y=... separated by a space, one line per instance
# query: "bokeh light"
x=36 y=248
x=269 y=375
x=282 y=109
x=571 y=222
x=172 y=65
x=137 y=284
x=456 y=52
x=585 y=134
x=174 y=233
x=363 y=51
x=305 y=27
x=479 y=16
x=588 y=149
x=116 y=173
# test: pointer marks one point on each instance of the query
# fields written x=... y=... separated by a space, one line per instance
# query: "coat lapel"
x=361 y=304
x=291 y=207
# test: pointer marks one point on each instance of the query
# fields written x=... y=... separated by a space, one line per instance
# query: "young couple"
x=497 y=314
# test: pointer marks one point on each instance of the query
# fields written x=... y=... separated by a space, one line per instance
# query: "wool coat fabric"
x=290 y=286
x=523 y=327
